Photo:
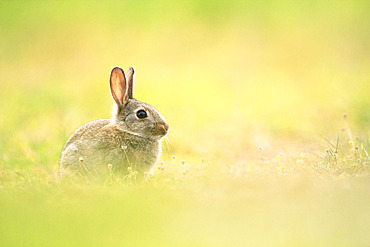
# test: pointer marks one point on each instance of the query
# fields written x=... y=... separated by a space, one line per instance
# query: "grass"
x=254 y=94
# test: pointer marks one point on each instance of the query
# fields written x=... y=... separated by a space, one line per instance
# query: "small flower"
x=183 y=162
x=260 y=148
x=129 y=169
x=148 y=175
x=356 y=147
x=185 y=171
x=81 y=159
x=110 y=166
x=173 y=157
x=161 y=162
x=327 y=151
x=124 y=147
x=202 y=160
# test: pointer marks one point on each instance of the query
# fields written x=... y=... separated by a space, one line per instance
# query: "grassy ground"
x=254 y=94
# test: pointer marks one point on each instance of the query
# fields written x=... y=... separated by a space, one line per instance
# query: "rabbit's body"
x=128 y=139
x=120 y=149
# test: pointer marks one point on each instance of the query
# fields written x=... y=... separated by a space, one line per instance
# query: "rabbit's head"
x=130 y=115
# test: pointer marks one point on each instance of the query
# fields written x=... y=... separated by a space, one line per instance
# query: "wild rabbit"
x=131 y=138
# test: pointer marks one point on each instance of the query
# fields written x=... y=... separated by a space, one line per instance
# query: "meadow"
x=268 y=106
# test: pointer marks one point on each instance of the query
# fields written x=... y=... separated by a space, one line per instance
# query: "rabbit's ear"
x=118 y=86
x=131 y=82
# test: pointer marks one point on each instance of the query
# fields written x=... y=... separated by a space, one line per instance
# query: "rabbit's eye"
x=141 y=114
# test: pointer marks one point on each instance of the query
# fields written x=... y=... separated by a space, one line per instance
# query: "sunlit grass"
x=313 y=199
x=259 y=151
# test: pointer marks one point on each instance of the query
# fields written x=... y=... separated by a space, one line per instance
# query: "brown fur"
x=123 y=141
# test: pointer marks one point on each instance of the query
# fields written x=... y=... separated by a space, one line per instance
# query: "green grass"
x=229 y=78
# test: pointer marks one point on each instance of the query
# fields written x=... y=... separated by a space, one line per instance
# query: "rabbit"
x=131 y=139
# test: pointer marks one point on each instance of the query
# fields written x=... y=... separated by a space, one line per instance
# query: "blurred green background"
x=227 y=75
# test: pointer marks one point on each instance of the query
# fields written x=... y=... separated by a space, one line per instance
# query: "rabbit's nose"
x=161 y=129
x=166 y=126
